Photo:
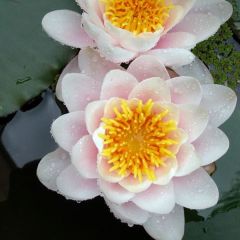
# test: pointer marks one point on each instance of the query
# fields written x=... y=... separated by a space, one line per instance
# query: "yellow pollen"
x=136 y=139
x=137 y=16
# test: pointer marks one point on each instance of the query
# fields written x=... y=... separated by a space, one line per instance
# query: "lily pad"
x=29 y=61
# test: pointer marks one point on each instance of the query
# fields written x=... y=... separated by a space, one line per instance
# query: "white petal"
x=51 y=166
x=201 y=25
x=166 y=227
x=156 y=199
x=173 y=56
x=185 y=90
x=65 y=26
x=107 y=46
x=68 y=129
x=72 y=67
x=84 y=157
x=188 y=160
x=219 y=101
x=128 y=213
x=93 y=65
x=147 y=66
x=196 y=191
x=193 y=119
x=196 y=69
x=140 y=43
x=114 y=192
x=73 y=186
x=211 y=145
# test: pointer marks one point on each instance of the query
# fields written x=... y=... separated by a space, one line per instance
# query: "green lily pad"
x=29 y=60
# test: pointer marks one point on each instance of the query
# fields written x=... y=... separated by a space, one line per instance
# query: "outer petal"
x=84 y=157
x=201 y=25
x=114 y=192
x=68 y=129
x=73 y=186
x=72 y=67
x=107 y=46
x=51 y=166
x=117 y=83
x=196 y=69
x=173 y=56
x=220 y=8
x=128 y=212
x=82 y=4
x=140 y=43
x=156 y=199
x=152 y=88
x=196 y=191
x=193 y=120
x=177 y=40
x=93 y=114
x=78 y=90
x=185 y=90
x=147 y=66
x=211 y=145
x=219 y=101
x=167 y=227
x=93 y=65
x=65 y=26
x=188 y=160
x=133 y=185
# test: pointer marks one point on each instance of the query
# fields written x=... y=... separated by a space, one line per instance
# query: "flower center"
x=137 y=139
x=137 y=16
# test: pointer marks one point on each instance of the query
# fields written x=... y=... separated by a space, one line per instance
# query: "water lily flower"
x=139 y=138
x=124 y=29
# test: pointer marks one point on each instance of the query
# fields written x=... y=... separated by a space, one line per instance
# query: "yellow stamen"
x=136 y=139
x=137 y=16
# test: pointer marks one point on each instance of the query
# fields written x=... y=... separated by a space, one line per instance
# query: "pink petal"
x=166 y=173
x=152 y=88
x=147 y=66
x=211 y=145
x=202 y=26
x=219 y=101
x=84 y=157
x=93 y=114
x=128 y=212
x=65 y=26
x=117 y=83
x=188 y=160
x=51 y=166
x=177 y=40
x=219 y=8
x=140 y=43
x=104 y=171
x=93 y=65
x=106 y=45
x=133 y=185
x=68 y=129
x=193 y=119
x=197 y=69
x=173 y=56
x=185 y=90
x=196 y=191
x=72 y=67
x=156 y=199
x=166 y=227
x=114 y=192
x=73 y=186
x=78 y=90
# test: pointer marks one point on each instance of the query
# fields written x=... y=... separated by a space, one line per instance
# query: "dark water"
x=29 y=211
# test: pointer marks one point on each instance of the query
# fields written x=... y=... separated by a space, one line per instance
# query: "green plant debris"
x=219 y=53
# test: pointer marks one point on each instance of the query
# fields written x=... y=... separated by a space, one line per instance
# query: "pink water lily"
x=139 y=138
x=123 y=29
